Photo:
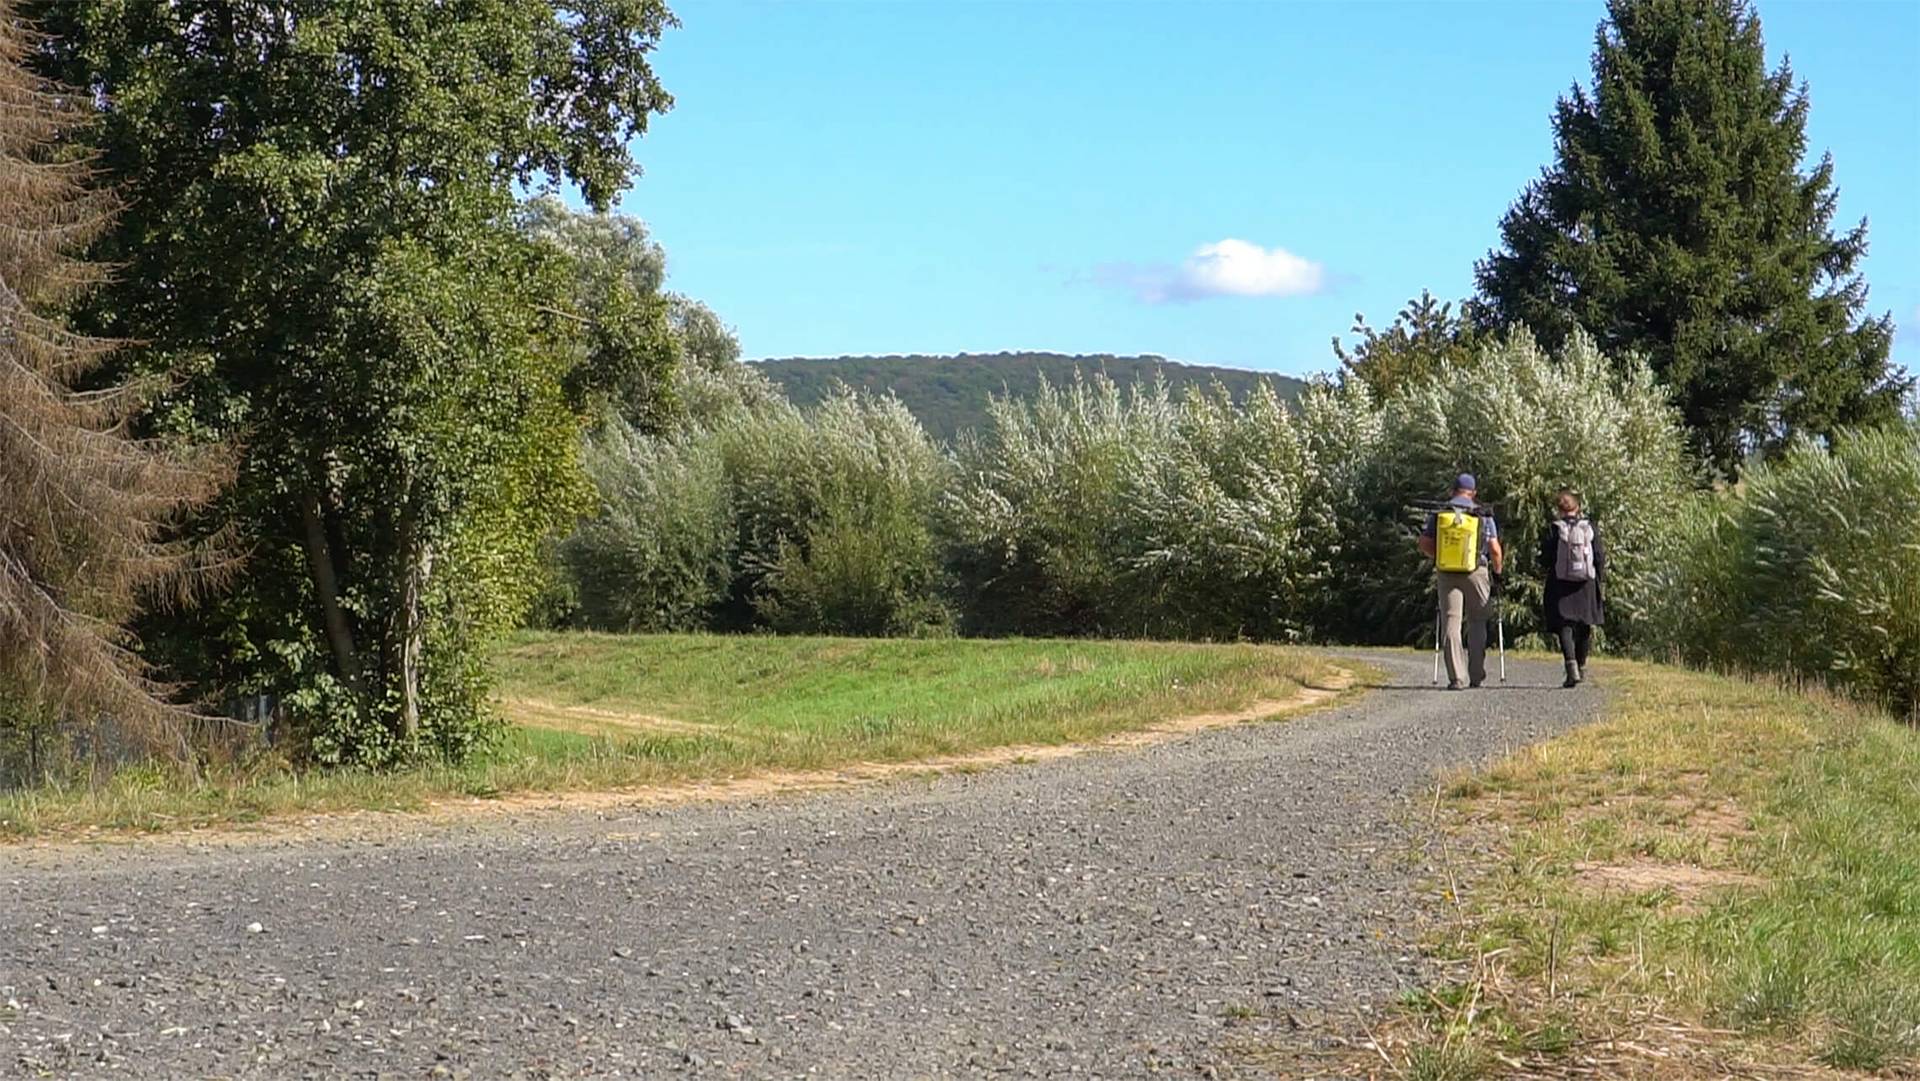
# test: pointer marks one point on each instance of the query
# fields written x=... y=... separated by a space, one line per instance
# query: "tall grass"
x=1811 y=567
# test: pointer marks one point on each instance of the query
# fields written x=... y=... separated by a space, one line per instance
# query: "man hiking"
x=1463 y=541
x=1574 y=563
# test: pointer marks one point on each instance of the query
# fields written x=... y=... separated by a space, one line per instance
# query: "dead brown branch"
x=89 y=514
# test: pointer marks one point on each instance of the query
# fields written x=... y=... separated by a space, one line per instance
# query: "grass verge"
x=1721 y=880
x=599 y=712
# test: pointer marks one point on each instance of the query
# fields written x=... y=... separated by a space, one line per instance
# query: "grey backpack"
x=1574 y=560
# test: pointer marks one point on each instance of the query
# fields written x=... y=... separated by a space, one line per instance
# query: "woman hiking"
x=1573 y=561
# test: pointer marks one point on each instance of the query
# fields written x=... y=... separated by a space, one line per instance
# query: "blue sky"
x=865 y=177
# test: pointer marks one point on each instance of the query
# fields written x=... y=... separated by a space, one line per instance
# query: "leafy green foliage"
x=1086 y=510
x=815 y=520
x=1676 y=224
x=1527 y=424
x=1089 y=509
x=322 y=231
x=833 y=506
x=659 y=556
x=1212 y=526
x=627 y=347
x=1810 y=567
x=1030 y=522
x=1424 y=338
x=650 y=364
x=950 y=394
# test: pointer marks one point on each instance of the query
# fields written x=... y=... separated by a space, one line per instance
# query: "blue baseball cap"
x=1464 y=483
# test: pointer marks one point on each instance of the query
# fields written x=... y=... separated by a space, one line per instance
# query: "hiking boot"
x=1453 y=686
x=1573 y=675
x=1476 y=683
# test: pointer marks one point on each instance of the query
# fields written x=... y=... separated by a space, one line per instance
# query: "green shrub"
x=1810 y=567
x=834 y=507
x=658 y=557
x=1084 y=510
x=1209 y=523
x=1527 y=424
x=1357 y=572
x=1031 y=519
x=760 y=514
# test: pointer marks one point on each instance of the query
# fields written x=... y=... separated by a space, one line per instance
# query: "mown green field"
x=595 y=712
x=808 y=702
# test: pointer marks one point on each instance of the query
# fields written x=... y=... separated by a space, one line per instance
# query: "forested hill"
x=949 y=393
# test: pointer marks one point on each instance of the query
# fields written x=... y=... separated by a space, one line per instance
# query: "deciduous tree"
x=322 y=230
x=1426 y=336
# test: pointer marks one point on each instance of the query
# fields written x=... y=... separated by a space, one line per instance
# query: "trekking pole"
x=1500 y=621
x=1436 y=647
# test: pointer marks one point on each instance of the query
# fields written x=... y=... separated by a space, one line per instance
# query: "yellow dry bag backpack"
x=1457 y=540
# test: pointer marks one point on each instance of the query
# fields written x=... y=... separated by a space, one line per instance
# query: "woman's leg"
x=1568 y=645
x=1582 y=643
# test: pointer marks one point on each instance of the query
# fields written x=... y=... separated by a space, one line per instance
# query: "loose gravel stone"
x=1113 y=915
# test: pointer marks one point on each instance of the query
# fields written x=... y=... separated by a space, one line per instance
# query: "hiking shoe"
x=1454 y=686
x=1573 y=675
x=1476 y=684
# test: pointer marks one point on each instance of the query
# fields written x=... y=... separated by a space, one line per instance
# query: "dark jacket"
x=1572 y=602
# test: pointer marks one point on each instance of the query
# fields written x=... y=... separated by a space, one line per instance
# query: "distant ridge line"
x=949 y=393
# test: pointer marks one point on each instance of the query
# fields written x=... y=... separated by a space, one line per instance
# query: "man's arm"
x=1499 y=556
x=1426 y=546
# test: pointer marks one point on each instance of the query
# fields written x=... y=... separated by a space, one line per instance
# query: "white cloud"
x=1227 y=268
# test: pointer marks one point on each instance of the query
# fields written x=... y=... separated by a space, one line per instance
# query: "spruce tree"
x=86 y=509
x=1676 y=221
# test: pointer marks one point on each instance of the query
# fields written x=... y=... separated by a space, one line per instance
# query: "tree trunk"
x=413 y=626
x=327 y=587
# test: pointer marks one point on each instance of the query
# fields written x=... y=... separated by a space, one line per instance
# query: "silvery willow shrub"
x=755 y=513
x=833 y=507
x=1088 y=510
x=1527 y=424
x=1029 y=521
x=646 y=559
x=659 y=555
x=1357 y=572
x=1810 y=566
x=1084 y=510
x=1208 y=522
x=710 y=386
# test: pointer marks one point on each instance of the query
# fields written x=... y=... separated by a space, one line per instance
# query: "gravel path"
x=1114 y=915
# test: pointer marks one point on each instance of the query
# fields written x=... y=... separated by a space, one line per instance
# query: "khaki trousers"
x=1465 y=597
